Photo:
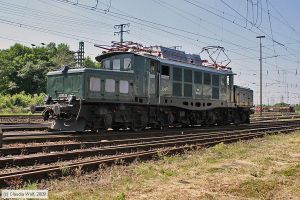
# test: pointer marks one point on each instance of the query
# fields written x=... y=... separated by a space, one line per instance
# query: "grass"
x=266 y=168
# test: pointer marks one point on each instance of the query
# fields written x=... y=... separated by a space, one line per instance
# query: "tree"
x=63 y=56
x=24 y=69
x=89 y=63
x=282 y=104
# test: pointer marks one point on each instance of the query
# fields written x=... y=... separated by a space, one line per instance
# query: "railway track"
x=57 y=136
x=87 y=149
x=65 y=156
x=77 y=141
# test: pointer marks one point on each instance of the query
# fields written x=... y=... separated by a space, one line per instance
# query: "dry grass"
x=267 y=168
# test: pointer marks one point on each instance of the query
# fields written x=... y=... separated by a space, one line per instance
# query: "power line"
x=131 y=18
x=183 y=36
x=285 y=21
x=45 y=30
x=270 y=37
x=198 y=40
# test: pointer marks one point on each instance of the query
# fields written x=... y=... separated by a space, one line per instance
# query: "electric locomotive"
x=138 y=87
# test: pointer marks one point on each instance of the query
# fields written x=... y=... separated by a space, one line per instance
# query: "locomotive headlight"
x=56 y=109
x=71 y=98
x=47 y=99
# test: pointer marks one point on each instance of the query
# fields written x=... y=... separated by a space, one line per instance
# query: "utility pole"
x=80 y=55
x=287 y=93
x=121 y=28
x=260 y=59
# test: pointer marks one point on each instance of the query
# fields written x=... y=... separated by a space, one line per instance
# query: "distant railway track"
x=273 y=113
x=24 y=127
x=274 y=117
x=110 y=151
x=20 y=119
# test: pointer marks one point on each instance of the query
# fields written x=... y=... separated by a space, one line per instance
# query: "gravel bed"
x=34 y=144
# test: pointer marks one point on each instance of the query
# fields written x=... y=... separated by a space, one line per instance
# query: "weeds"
x=30 y=186
x=167 y=172
x=65 y=171
x=292 y=171
x=259 y=169
x=120 y=196
x=19 y=103
x=215 y=170
x=258 y=188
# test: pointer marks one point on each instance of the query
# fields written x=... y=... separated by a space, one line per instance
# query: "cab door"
x=153 y=82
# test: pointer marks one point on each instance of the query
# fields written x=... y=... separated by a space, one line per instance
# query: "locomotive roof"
x=166 y=61
x=162 y=60
x=81 y=70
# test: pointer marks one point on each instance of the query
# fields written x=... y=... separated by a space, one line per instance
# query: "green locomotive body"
x=138 y=90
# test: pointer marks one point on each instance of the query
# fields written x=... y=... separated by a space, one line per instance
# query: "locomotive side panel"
x=109 y=86
x=195 y=89
x=60 y=85
x=243 y=96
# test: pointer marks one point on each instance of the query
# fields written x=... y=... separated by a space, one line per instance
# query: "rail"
x=1 y=137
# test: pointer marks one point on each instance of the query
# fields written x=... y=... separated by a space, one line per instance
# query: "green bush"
x=297 y=108
x=19 y=103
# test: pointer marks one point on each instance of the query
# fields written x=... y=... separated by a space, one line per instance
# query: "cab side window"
x=116 y=64
x=177 y=82
x=106 y=64
x=165 y=71
x=153 y=67
x=110 y=85
x=124 y=86
x=207 y=79
x=95 y=84
x=127 y=64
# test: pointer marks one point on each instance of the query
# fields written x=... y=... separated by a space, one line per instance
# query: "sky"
x=190 y=24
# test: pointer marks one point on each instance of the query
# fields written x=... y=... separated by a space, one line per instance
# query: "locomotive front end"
x=63 y=100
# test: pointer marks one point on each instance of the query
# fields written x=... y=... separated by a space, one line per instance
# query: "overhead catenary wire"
x=192 y=39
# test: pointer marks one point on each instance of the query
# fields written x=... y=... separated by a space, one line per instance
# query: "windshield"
x=117 y=63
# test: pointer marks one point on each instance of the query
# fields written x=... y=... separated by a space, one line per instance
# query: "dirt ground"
x=263 y=168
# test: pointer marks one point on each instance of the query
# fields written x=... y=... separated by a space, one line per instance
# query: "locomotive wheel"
x=211 y=118
x=107 y=121
x=139 y=123
x=245 y=118
x=193 y=119
x=236 y=118
x=171 y=118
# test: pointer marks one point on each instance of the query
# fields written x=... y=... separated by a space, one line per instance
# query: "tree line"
x=24 y=69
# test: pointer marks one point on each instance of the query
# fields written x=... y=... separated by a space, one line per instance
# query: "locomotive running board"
x=59 y=124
